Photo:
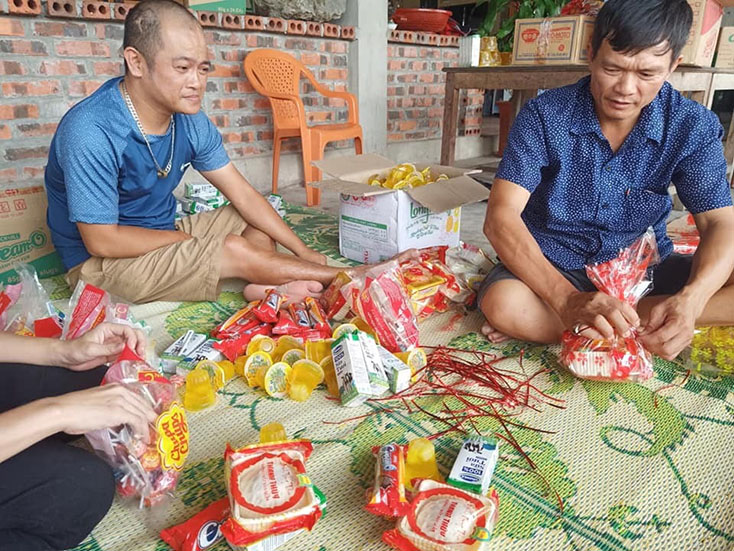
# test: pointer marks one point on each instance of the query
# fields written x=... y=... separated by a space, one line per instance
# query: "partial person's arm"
x=114 y=241
x=257 y=212
x=519 y=251
x=702 y=185
x=74 y=413
x=96 y=347
x=672 y=322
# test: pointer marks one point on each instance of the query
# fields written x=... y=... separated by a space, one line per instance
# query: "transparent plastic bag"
x=31 y=313
x=385 y=305
x=620 y=358
x=150 y=470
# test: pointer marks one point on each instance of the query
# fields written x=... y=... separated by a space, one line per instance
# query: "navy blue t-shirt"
x=588 y=202
x=100 y=170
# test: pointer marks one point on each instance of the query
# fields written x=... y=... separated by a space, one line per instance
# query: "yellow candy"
x=254 y=363
x=239 y=365
x=260 y=343
x=305 y=376
x=272 y=432
x=285 y=343
x=332 y=386
x=229 y=369
x=216 y=373
x=318 y=350
x=343 y=329
x=416 y=359
x=275 y=380
x=293 y=355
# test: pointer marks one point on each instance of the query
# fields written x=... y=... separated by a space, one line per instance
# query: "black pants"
x=51 y=494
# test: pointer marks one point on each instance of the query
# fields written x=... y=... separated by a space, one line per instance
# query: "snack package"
x=351 y=370
x=318 y=317
x=334 y=300
x=387 y=496
x=385 y=306
x=269 y=491
x=241 y=320
x=146 y=470
x=621 y=358
x=235 y=346
x=201 y=531
x=267 y=310
x=300 y=316
x=25 y=308
x=181 y=347
x=88 y=306
x=444 y=518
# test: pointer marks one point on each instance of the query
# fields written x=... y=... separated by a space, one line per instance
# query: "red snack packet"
x=89 y=309
x=300 y=316
x=234 y=347
x=285 y=325
x=385 y=306
x=267 y=310
x=334 y=299
x=619 y=358
x=387 y=496
x=317 y=315
x=242 y=318
x=201 y=531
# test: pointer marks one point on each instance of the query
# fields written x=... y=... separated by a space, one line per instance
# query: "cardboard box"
x=725 y=50
x=376 y=223
x=553 y=40
x=225 y=6
x=24 y=235
x=701 y=44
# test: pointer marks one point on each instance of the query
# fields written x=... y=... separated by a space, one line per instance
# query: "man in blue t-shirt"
x=116 y=158
x=586 y=171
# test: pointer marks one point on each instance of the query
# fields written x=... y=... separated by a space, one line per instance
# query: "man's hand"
x=310 y=255
x=99 y=346
x=103 y=407
x=670 y=327
x=601 y=315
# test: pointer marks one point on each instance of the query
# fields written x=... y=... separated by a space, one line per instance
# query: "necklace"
x=162 y=172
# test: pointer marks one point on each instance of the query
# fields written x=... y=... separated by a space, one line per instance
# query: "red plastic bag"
x=620 y=358
x=201 y=531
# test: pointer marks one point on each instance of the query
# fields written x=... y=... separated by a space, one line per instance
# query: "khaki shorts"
x=187 y=270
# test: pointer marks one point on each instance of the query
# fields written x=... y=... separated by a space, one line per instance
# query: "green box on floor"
x=225 y=6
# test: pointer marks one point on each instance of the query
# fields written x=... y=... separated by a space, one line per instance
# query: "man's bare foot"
x=295 y=291
x=410 y=254
x=493 y=336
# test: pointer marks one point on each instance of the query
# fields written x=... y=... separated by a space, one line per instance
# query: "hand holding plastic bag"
x=619 y=358
x=145 y=465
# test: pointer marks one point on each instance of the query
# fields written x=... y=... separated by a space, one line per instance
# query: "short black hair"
x=631 y=26
x=143 y=26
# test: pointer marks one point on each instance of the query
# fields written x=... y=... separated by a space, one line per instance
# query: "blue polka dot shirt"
x=588 y=202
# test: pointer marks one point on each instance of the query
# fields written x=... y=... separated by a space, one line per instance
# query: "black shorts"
x=668 y=277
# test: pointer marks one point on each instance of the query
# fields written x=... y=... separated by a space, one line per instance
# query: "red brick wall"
x=415 y=93
x=48 y=64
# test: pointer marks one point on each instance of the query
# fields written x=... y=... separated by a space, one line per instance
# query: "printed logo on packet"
x=173 y=437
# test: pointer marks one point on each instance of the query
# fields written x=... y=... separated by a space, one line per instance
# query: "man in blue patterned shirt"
x=586 y=171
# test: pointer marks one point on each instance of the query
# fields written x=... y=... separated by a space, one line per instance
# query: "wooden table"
x=696 y=82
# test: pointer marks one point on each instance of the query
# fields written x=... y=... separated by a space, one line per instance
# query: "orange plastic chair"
x=277 y=76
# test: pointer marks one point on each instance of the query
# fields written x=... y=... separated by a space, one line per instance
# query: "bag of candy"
x=200 y=532
x=444 y=518
x=146 y=470
x=621 y=358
